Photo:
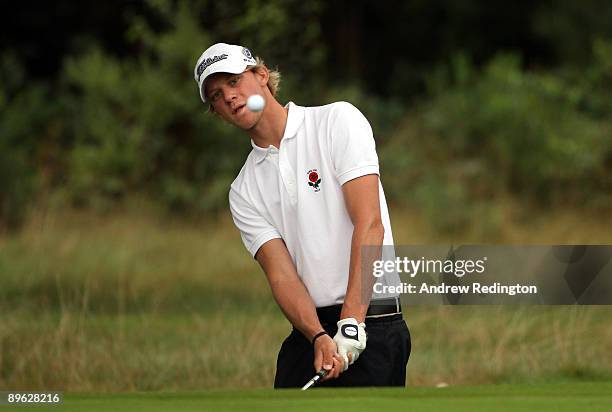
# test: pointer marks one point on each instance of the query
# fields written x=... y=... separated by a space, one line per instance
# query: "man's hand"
x=326 y=357
x=351 y=340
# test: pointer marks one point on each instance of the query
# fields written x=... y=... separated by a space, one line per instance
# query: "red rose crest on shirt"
x=314 y=180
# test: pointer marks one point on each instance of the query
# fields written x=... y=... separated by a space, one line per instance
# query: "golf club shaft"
x=315 y=379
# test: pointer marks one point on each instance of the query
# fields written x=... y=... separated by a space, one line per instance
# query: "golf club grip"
x=320 y=375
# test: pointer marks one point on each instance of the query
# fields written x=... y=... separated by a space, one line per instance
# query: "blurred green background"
x=119 y=266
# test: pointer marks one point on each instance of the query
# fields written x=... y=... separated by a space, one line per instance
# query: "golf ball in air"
x=256 y=103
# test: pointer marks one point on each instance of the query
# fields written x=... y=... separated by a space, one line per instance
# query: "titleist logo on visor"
x=207 y=62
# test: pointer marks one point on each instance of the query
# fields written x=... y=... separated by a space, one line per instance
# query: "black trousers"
x=382 y=363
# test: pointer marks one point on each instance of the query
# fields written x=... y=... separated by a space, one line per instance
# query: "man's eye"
x=215 y=96
x=233 y=81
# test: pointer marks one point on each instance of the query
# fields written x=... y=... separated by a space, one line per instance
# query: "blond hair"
x=273 y=79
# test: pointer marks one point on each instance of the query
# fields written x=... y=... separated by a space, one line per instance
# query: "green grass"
x=586 y=396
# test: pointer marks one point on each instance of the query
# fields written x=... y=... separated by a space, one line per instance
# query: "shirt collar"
x=295 y=117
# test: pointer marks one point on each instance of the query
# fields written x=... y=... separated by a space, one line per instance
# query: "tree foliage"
x=487 y=117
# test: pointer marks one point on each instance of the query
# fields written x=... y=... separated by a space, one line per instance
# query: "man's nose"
x=229 y=95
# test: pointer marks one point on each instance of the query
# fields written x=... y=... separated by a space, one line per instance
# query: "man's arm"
x=287 y=288
x=363 y=205
x=296 y=303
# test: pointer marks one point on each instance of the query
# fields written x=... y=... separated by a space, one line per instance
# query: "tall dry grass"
x=456 y=345
x=461 y=345
x=135 y=301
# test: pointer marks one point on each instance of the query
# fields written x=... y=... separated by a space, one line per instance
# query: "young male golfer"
x=306 y=200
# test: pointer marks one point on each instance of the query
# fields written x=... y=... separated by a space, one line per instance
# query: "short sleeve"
x=353 y=150
x=254 y=229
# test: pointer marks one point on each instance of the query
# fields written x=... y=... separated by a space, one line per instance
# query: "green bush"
x=502 y=129
x=138 y=123
x=25 y=119
x=110 y=126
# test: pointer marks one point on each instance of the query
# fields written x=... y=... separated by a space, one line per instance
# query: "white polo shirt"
x=295 y=193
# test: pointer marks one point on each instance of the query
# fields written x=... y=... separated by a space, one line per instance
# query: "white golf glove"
x=350 y=338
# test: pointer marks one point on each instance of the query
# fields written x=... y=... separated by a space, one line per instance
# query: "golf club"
x=315 y=379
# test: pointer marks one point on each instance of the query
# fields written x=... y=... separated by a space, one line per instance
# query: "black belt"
x=378 y=308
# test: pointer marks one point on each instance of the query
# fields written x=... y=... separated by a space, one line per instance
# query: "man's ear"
x=263 y=75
